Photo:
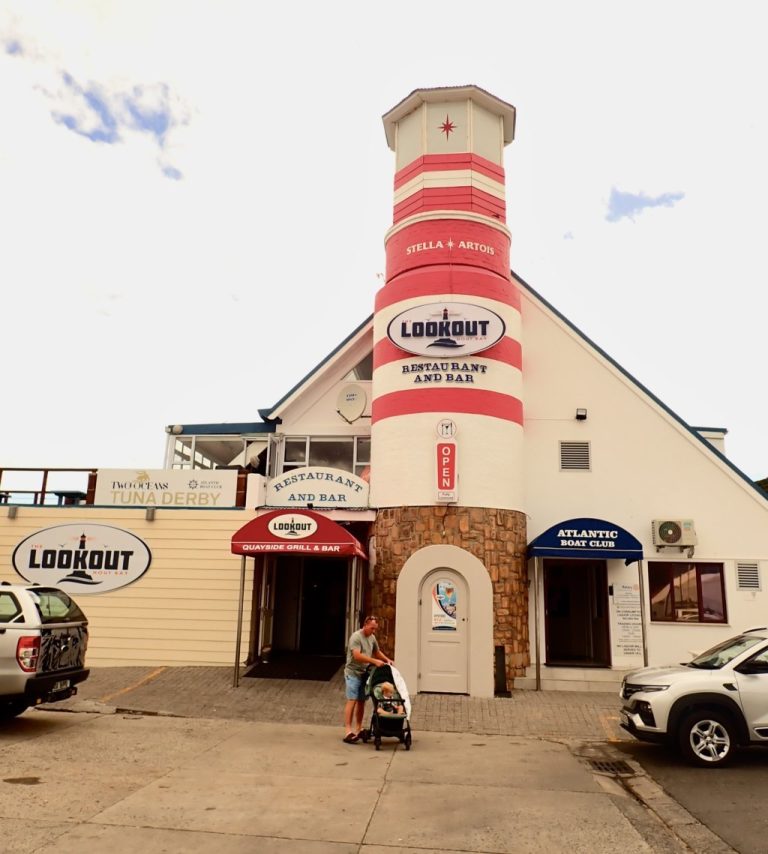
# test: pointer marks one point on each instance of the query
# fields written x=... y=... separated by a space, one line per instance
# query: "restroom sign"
x=446 y=472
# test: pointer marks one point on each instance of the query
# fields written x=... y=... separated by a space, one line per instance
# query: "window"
x=348 y=453
x=363 y=370
x=686 y=592
x=54 y=606
x=210 y=452
x=9 y=608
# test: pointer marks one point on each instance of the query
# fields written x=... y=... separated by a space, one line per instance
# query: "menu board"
x=628 y=640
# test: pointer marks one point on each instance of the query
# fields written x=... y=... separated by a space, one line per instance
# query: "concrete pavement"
x=177 y=760
x=208 y=692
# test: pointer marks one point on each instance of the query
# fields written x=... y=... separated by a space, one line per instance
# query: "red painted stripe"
x=415 y=244
x=451 y=198
x=508 y=351
x=455 y=281
x=445 y=401
x=446 y=162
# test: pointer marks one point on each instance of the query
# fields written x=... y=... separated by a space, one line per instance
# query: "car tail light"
x=27 y=653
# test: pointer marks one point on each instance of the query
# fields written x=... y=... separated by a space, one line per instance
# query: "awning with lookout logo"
x=295 y=532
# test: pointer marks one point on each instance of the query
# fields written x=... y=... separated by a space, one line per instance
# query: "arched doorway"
x=436 y=562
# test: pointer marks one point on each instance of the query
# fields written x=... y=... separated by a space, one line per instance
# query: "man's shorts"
x=355 y=687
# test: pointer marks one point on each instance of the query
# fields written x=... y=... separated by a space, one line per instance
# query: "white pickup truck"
x=43 y=640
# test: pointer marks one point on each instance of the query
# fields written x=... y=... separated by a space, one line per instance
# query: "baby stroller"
x=386 y=720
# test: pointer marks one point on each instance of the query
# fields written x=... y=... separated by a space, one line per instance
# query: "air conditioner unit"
x=674 y=532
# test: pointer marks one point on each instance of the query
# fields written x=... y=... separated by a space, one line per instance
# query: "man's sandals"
x=351 y=737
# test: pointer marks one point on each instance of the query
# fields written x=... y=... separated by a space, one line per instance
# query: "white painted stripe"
x=498 y=376
x=509 y=314
x=459 y=178
x=490 y=461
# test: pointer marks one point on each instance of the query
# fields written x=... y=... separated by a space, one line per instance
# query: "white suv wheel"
x=707 y=738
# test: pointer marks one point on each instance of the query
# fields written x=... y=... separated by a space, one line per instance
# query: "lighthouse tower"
x=450 y=584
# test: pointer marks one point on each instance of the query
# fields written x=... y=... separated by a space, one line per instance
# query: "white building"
x=536 y=517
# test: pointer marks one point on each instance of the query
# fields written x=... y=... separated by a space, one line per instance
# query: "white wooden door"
x=443 y=647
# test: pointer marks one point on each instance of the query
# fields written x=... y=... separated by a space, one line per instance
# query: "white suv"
x=709 y=706
x=43 y=639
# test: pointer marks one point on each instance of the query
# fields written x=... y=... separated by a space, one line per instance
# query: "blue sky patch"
x=621 y=205
x=172 y=172
x=13 y=47
x=90 y=114
x=149 y=111
x=110 y=117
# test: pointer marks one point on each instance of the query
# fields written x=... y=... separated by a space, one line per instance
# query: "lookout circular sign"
x=446 y=329
x=82 y=559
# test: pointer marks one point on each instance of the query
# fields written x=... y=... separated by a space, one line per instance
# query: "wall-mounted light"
x=12 y=511
x=149 y=515
x=581 y=414
x=174 y=429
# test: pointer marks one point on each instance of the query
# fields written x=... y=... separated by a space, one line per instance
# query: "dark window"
x=686 y=592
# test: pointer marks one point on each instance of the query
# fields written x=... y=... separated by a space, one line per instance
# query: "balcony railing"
x=50 y=486
x=67 y=487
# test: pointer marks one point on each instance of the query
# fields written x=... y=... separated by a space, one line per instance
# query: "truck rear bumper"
x=49 y=687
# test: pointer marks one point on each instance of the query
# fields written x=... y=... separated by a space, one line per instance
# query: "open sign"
x=446 y=472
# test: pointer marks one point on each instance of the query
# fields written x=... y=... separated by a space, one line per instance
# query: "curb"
x=631 y=778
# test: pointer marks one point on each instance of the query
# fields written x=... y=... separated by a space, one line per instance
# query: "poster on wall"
x=629 y=631
x=443 y=606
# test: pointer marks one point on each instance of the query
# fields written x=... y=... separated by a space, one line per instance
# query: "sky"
x=194 y=198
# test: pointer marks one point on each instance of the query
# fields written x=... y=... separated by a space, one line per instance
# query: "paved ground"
x=86 y=783
x=208 y=692
x=507 y=803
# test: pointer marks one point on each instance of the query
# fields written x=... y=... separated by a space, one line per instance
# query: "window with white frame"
x=348 y=453
x=210 y=452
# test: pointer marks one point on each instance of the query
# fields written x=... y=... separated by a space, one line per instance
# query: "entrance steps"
x=587 y=679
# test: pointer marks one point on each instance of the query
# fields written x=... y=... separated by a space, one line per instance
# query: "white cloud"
x=285 y=194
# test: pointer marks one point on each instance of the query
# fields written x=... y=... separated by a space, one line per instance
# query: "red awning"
x=295 y=532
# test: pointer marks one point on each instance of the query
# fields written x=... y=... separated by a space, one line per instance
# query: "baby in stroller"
x=389 y=718
x=389 y=700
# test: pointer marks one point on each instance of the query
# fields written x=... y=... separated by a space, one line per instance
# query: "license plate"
x=61 y=685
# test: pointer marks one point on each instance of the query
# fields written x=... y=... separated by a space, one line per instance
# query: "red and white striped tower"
x=447 y=411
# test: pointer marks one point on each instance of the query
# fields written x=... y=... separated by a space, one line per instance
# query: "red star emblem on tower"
x=447 y=126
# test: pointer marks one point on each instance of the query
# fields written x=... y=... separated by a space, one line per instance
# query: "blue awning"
x=587 y=538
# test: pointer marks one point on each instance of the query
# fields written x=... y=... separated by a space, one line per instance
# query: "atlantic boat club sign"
x=82 y=558
x=446 y=329
x=589 y=538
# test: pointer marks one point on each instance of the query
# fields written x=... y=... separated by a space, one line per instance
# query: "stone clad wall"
x=495 y=537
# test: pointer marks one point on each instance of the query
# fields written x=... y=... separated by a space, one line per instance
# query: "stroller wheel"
x=365 y=734
x=408 y=741
x=377 y=742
